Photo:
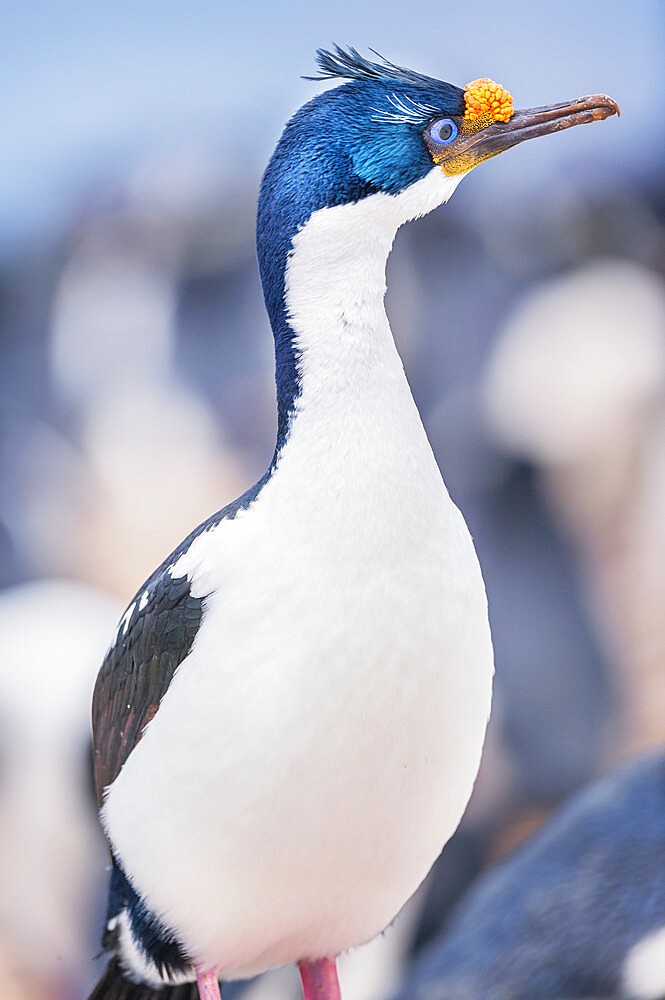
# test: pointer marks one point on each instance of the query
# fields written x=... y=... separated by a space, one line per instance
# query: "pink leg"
x=208 y=985
x=319 y=980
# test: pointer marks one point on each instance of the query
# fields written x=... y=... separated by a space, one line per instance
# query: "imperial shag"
x=289 y=723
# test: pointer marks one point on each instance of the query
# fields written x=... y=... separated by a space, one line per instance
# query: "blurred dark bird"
x=578 y=911
x=289 y=722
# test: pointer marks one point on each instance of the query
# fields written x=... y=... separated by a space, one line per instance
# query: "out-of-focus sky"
x=87 y=85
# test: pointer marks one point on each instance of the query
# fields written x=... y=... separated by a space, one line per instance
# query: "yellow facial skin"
x=490 y=125
x=459 y=163
x=486 y=102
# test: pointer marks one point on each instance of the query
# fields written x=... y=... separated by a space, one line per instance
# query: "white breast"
x=318 y=746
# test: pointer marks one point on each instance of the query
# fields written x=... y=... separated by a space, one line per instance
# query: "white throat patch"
x=335 y=282
x=333 y=251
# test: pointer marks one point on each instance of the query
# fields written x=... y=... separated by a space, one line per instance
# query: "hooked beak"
x=473 y=147
x=532 y=122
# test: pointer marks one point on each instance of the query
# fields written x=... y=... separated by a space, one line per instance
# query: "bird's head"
x=359 y=160
x=388 y=127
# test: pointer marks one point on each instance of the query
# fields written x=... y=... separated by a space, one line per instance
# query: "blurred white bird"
x=53 y=633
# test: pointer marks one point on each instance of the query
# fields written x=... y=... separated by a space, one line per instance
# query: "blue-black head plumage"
x=363 y=136
x=345 y=144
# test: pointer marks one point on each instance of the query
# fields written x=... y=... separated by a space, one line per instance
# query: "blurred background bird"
x=51 y=848
x=574 y=912
x=127 y=266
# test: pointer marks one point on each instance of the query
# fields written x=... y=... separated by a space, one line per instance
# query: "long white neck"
x=351 y=377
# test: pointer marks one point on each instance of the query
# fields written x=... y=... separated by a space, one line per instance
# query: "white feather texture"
x=319 y=745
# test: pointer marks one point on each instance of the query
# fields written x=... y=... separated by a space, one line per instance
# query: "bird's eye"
x=443 y=132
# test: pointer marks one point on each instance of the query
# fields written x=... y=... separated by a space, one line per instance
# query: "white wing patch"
x=126 y=618
x=123 y=624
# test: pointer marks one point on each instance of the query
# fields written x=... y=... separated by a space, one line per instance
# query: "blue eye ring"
x=443 y=131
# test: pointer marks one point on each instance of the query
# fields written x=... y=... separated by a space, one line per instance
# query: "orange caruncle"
x=485 y=98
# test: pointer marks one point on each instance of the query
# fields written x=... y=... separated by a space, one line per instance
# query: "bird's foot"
x=319 y=980
x=208 y=985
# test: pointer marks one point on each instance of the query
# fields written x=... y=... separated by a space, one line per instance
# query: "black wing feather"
x=138 y=669
x=139 y=666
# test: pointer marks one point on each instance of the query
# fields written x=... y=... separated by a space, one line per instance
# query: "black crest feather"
x=348 y=64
